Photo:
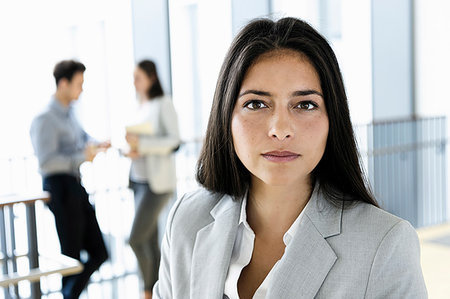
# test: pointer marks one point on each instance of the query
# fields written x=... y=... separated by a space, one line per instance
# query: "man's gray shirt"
x=58 y=140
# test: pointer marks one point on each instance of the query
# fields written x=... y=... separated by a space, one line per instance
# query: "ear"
x=63 y=83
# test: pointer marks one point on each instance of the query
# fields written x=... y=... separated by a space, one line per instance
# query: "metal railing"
x=106 y=180
x=408 y=168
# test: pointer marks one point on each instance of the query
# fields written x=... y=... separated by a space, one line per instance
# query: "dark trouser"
x=77 y=229
x=144 y=233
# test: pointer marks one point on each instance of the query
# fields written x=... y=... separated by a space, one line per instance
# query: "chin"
x=279 y=180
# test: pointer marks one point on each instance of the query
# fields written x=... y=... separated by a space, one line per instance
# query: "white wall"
x=98 y=33
x=200 y=36
x=151 y=36
x=432 y=42
x=392 y=59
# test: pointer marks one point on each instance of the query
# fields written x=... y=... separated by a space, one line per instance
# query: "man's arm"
x=44 y=138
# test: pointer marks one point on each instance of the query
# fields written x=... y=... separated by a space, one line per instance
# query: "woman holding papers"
x=152 y=140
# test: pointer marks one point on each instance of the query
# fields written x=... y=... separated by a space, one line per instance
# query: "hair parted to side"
x=66 y=69
x=149 y=68
x=339 y=171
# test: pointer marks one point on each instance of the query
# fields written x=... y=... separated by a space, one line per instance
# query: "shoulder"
x=392 y=249
x=166 y=105
x=43 y=119
x=369 y=216
x=199 y=202
x=367 y=219
x=381 y=249
x=164 y=100
x=192 y=212
x=378 y=230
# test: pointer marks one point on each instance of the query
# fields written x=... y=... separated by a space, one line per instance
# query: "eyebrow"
x=294 y=94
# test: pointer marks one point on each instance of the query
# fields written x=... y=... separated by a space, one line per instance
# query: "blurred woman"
x=152 y=173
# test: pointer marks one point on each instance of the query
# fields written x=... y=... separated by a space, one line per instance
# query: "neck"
x=274 y=208
x=143 y=98
x=63 y=99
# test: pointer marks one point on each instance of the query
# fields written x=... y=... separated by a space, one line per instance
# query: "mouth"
x=280 y=156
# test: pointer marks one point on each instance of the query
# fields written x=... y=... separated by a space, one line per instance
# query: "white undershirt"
x=242 y=254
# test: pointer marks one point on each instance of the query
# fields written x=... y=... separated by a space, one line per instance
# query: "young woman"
x=285 y=211
x=152 y=174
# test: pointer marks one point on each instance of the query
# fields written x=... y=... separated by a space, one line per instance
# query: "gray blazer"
x=356 y=252
x=158 y=149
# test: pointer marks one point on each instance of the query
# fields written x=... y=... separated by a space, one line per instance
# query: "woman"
x=152 y=174
x=285 y=211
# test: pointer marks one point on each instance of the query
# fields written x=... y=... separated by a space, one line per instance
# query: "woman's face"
x=142 y=82
x=280 y=122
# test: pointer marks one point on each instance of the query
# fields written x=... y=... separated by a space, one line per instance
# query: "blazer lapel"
x=212 y=250
x=308 y=258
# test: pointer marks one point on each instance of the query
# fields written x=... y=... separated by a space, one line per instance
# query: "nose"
x=281 y=126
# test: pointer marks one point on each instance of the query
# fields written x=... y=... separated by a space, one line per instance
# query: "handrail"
x=35 y=272
x=12 y=199
x=61 y=264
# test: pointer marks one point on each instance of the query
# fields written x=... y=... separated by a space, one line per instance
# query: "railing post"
x=4 y=249
x=12 y=237
x=33 y=256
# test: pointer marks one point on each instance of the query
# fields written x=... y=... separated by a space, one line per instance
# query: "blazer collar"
x=213 y=248
x=326 y=217
x=300 y=272
x=308 y=258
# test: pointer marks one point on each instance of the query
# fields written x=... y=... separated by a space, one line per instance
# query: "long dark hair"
x=339 y=171
x=149 y=69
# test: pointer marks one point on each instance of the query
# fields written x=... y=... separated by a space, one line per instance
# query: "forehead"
x=138 y=71
x=282 y=68
x=78 y=77
x=279 y=53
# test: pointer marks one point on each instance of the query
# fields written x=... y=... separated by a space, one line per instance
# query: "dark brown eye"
x=307 y=105
x=255 y=105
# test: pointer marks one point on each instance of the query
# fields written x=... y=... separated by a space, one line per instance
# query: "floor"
x=435 y=246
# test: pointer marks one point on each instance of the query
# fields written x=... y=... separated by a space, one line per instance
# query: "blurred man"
x=61 y=145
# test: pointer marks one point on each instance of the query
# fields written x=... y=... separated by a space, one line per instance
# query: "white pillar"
x=151 y=36
x=393 y=59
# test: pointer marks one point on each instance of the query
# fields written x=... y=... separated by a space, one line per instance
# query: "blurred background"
x=394 y=56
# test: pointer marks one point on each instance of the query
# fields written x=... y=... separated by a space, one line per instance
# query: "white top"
x=242 y=254
x=148 y=111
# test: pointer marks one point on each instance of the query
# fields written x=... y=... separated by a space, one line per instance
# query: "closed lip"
x=280 y=156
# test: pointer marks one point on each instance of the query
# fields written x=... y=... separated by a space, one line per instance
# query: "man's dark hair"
x=149 y=69
x=339 y=171
x=67 y=69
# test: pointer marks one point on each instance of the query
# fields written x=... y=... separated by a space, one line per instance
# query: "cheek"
x=322 y=137
x=244 y=135
x=237 y=132
x=141 y=85
x=316 y=133
x=147 y=84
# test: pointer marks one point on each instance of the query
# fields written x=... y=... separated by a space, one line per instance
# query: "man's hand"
x=104 y=145
x=90 y=152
